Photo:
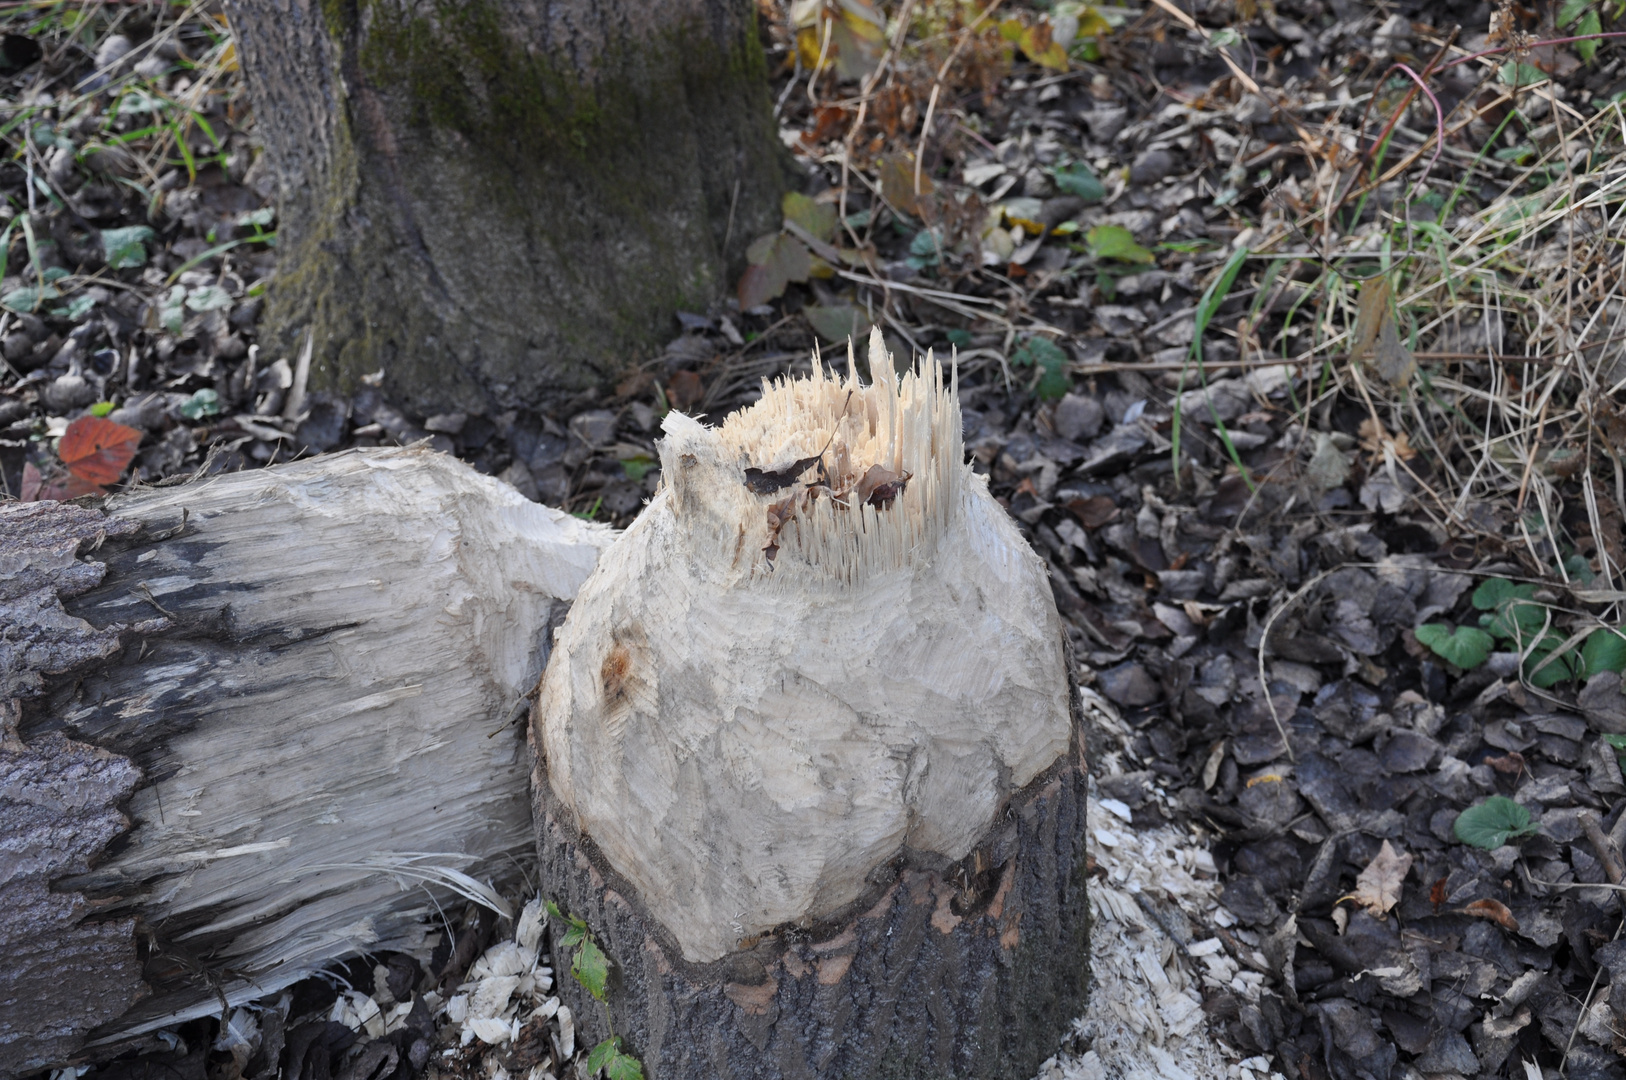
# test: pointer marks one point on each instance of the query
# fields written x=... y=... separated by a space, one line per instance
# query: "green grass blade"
x=1207 y=308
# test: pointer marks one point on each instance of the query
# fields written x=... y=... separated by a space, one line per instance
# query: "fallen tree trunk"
x=291 y=686
x=806 y=758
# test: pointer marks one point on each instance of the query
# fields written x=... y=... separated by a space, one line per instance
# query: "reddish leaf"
x=31 y=482
x=69 y=487
x=1094 y=511
x=1436 y=895
x=98 y=450
x=758 y=285
x=775 y=261
x=57 y=487
x=685 y=390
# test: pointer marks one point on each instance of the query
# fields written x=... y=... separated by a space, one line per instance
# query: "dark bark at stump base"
x=499 y=204
x=974 y=969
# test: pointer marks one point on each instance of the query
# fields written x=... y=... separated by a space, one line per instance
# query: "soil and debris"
x=1286 y=330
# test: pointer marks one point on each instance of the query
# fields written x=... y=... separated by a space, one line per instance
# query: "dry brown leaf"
x=1376 y=338
x=1495 y=911
x=1371 y=313
x=1377 y=441
x=1372 y=435
x=1378 y=887
x=1391 y=357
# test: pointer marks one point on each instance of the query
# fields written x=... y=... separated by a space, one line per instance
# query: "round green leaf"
x=126 y=248
x=1077 y=179
x=1465 y=647
x=1604 y=650
x=1493 y=823
x=1492 y=593
x=1116 y=242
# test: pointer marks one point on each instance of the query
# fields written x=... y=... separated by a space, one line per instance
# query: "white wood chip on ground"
x=1145 y=1019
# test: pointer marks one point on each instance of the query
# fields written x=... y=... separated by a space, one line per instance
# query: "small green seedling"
x=591 y=968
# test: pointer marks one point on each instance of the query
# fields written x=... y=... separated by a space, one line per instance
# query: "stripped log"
x=297 y=688
x=806 y=761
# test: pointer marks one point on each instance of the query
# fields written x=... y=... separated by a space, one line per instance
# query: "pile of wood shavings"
x=1152 y=893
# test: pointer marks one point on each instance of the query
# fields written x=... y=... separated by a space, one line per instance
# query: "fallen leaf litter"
x=1305 y=725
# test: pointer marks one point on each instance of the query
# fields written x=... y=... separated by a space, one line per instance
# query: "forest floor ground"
x=1290 y=333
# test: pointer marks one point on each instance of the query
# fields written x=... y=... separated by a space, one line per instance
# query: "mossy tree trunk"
x=501 y=203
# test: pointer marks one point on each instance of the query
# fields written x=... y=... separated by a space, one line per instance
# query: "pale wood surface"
x=746 y=739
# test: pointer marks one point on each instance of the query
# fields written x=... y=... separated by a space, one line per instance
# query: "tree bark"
x=967 y=970
x=499 y=203
x=267 y=727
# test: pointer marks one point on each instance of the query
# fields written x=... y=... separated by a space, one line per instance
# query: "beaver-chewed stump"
x=805 y=757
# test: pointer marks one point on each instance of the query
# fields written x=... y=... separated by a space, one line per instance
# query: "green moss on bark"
x=498 y=224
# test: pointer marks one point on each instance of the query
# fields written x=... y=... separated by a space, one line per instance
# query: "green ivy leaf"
x=1519 y=73
x=601 y=1054
x=1493 y=823
x=1590 y=24
x=172 y=309
x=1604 y=650
x=624 y=1067
x=1571 y=10
x=1077 y=179
x=75 y=309
x=126 y=248
x=208 y=298
x=28 y=298
x=926 y=249
x=591 y=968
x=1116 y=242
x=1465 y=647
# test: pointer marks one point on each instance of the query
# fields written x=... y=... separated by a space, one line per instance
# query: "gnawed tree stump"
x=806 y=760
x=297 y=687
